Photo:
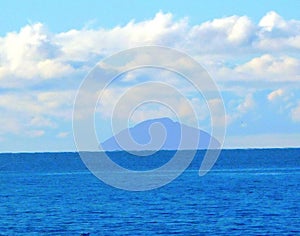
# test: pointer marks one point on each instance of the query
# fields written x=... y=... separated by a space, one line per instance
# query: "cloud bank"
x=254 y=63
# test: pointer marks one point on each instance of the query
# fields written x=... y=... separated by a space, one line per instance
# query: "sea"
x=247 y=192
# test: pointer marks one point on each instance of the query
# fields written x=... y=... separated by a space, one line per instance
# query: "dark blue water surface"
x=249 y=192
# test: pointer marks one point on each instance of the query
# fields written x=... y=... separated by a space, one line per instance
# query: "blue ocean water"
x=249 y=192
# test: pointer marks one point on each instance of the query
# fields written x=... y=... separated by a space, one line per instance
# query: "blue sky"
x=251 y=49
x=62 y=16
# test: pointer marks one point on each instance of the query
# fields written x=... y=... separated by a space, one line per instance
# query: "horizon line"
x=170 y=150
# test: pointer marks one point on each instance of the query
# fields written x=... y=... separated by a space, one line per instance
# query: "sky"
x=250 y=49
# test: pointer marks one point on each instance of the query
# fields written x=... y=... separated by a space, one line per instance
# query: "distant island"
x=159 y=134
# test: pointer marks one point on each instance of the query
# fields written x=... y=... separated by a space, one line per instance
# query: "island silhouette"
x=160 y=134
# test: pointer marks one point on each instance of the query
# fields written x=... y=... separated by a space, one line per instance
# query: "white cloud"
x=237 y=108
x=35 y=133
x=31 y=112
x=247 y=104
x=283 y=99
x=62 y=134
x=40 y=121
x=229 y=35
x=268 y=67
x=277 y=34
x=275 y=94
x=82 y=44
x=272 y=20
x=30 y=55
x=58 y=104
x=221 y=35
x=52 y=69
